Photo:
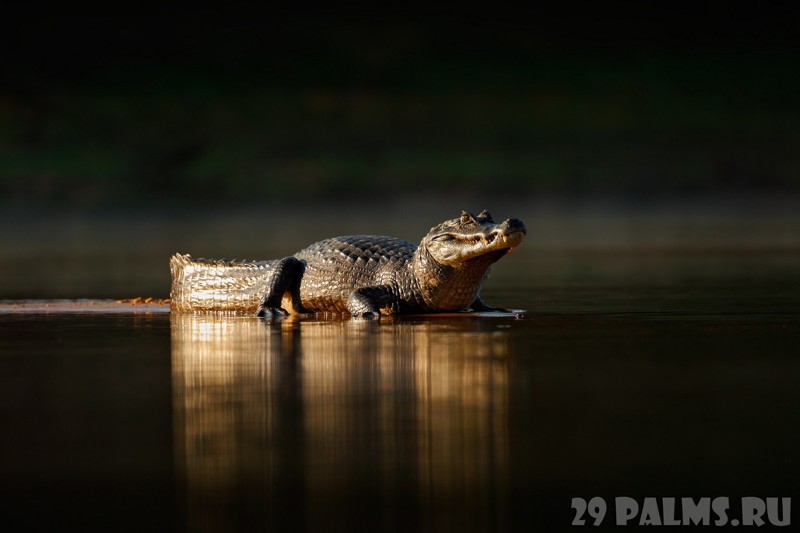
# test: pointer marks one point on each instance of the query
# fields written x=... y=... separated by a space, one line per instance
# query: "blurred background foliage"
x=190 y=109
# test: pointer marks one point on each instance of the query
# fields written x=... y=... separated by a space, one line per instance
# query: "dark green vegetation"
x=105 y=112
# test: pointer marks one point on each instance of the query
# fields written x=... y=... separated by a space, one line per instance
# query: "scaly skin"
x=356 y=274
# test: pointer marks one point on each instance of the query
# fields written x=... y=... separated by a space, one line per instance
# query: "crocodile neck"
x=445 y=287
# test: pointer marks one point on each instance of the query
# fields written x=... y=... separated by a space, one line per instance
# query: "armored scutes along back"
x=358 y=274
x=335 y=267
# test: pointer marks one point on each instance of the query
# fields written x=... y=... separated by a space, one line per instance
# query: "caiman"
x=365 y=276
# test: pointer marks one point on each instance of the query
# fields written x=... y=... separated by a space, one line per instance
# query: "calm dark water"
x=652 y=387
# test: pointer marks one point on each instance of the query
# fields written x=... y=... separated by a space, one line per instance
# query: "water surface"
x=658 y=358
x=146 y=420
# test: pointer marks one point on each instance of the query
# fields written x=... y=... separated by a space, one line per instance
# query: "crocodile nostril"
x=515 y=224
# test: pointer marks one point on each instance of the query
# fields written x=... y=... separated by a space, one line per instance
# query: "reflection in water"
x=341 y=425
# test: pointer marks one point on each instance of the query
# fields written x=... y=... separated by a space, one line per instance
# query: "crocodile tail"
x=217 y=284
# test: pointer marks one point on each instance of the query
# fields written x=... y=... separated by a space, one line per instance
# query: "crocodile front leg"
x=285 y=278
x=367 y=301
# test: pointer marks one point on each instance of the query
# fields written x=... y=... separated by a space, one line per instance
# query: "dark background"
x=184 y=108
x=651 y=150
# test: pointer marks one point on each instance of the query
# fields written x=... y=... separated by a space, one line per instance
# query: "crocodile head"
x=468 y=237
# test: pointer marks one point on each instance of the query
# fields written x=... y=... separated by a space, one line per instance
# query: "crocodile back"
x=338 y=266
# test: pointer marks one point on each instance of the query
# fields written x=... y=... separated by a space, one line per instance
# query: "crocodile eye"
x=443 y=237
x=485 y=216
x=467 y=217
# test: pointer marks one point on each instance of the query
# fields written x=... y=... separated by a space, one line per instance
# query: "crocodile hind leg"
x=285 y=279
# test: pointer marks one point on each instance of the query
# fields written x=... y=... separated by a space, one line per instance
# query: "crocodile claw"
x=270 y=312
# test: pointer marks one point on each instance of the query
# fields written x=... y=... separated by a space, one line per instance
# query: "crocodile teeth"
x=505 y=238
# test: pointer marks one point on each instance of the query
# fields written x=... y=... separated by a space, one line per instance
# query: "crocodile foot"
x=369 y=315
x=480 y=306
x=271 y=312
